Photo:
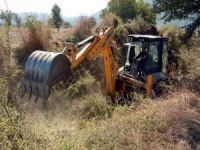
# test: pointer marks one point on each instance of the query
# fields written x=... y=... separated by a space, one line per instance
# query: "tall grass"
x=83 y=28
x=35 y=36
x=96 y=107
x=2 y=49
x=91 y=123
x=11 y=136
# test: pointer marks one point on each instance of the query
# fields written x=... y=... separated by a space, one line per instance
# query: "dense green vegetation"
x=130 y=9
x=181 y=10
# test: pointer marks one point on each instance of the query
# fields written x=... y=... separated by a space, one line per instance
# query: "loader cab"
x=156 y=51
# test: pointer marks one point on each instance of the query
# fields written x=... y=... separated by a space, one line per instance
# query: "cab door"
x=154 y=59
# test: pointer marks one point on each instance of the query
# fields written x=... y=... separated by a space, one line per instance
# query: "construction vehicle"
x=45 y=69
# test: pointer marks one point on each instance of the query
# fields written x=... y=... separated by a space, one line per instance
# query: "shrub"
x=139 y=26
x=83 y=27
x=121 y=34
x=96 y=107
x=11 y=136
x=35 y=36
x=110 y=20
x=80 y=87
x=70 y=38
x=174 y=35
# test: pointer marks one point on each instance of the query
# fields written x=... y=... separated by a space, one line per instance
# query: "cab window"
x=152 y=63
x=137 y=47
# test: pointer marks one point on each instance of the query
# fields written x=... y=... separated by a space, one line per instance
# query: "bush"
x=71 y=39
x=139 y=26
x=121 y=34
x=174 y=34
x=11 y=136
x=96 y=107
x=80 y=87
x=83 y=27
x=35 y=36
x=110 y=20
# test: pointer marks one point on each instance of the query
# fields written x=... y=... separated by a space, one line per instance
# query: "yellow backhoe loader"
x=146 y=64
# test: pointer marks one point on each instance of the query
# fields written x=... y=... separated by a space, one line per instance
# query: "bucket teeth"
x=42 y=71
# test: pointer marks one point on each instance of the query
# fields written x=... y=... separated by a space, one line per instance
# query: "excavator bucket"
x=42 y=71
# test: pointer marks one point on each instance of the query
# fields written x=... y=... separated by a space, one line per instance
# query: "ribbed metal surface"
x=42 y=71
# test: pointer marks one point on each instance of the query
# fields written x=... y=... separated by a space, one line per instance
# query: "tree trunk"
x=191 y=28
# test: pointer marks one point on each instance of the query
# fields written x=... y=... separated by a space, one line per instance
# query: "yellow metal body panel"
x=149 y=85
x=100 y=45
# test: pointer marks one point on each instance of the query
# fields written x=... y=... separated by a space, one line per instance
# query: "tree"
x=145 y=12
x=104 y=12
x=130 y=9
x=6 y=17
x=181 y=10
x=17 y=20
x=126 y=9
x=56 y=16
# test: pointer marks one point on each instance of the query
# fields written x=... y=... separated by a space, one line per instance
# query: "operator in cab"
x=141 y=59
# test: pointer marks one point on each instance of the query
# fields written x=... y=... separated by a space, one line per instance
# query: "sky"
x=69 y=8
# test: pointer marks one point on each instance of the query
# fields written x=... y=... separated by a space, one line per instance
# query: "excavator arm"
x=44 y=69
x=95 y=45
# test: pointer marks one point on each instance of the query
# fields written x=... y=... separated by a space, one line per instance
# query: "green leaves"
x=125 y=9
x=33 y=24
x=17 y=20
x=146 y=12
x=130 y=9
x=181 y=10
x=56 y=16
x=6 y=16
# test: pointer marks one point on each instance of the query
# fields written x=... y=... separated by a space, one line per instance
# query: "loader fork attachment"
x=42 y=71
